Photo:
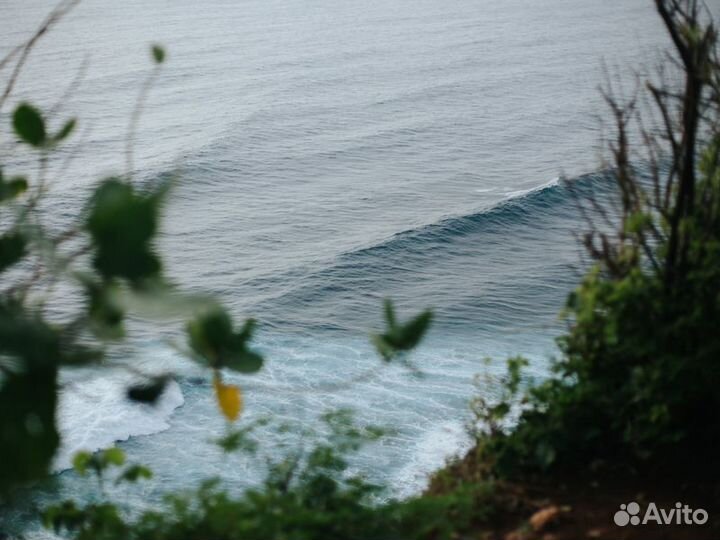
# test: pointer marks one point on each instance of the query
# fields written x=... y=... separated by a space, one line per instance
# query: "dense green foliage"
x=638 y=377
x=306 y=495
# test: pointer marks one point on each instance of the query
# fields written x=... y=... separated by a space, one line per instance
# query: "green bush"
x=638 y=378
x=305 y=496
x=637 y=381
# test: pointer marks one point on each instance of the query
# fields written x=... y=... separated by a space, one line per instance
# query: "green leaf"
x=637 y=222
x=29 y=125
x=412 y=332
x=399 y=338
x=122 y=224
x=134 y=473
x=64 y=516
x=113 y=456
x=13 y=188
x=500 y=411
x=208 y=333
x=81 y=462
x=212 y=339
x=106 y=316
x=158 y=54
x=98 y=462
x=66 y=130
x=12 y=249
x=243 y=361
x=238 y=440
x=384 y=349
x=28 y=434
x=238 y=356
x=28 y=395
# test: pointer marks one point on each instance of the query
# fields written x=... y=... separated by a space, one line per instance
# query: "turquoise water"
x=328 y=155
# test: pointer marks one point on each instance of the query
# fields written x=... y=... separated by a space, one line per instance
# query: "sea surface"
x=328 y=154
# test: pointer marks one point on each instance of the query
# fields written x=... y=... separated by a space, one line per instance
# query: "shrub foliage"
x=638 y=376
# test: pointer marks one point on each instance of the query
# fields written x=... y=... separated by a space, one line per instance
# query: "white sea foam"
x=94 y=413
x=430 y=453
x=523 y=192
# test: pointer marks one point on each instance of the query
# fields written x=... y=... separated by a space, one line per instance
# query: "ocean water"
x=328 y=155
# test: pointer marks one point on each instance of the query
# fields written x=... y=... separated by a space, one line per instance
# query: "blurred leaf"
x=12 y=188
x=209 y=333
x=500 y=410
x=239 y=357
x=28 y=435
x=106 y=317
x=413 y=331
x=399 y=338
x=79 y=354
x=28 y=395
x=65 y=515
x=12 y=249
x=384 y=349
x=134 y=473
x=244 y=361
x=212 y=339
x=29 y=125
x=65 y=131
x=237 y=440
x=97 y=462
x=158 y=54
x=26 y=337
x=81 y=462
x=113 y=456
x=148 y=392
x=229 y=398
x=122 y=224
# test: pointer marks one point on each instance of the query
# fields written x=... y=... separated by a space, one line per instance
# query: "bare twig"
x=23 y=51
x=135 y=118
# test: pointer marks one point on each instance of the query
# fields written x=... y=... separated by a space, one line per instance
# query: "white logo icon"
x=628 y=513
